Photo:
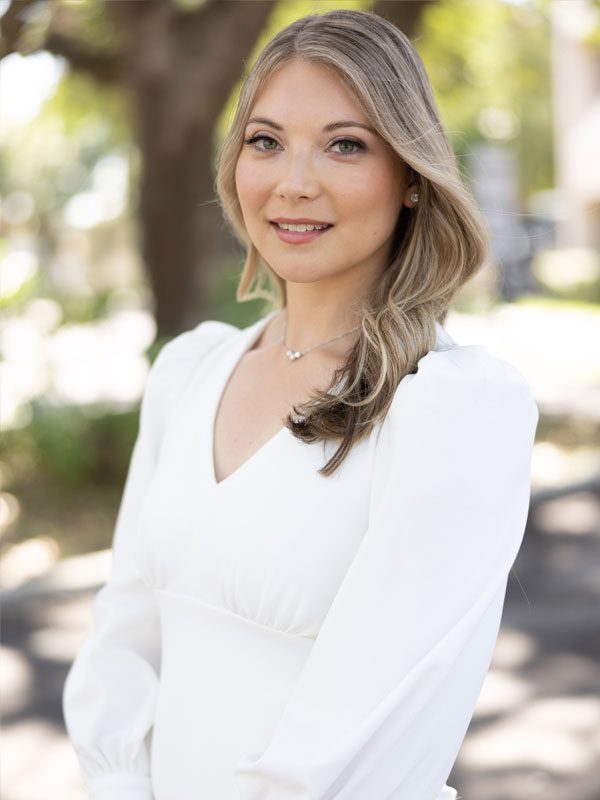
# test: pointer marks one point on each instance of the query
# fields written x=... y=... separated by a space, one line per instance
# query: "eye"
x=359 y=145
x=260 y=137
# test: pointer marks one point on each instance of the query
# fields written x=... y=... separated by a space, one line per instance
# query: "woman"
x=322 y=509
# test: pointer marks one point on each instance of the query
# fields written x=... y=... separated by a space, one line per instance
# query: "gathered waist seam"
x=233 y=614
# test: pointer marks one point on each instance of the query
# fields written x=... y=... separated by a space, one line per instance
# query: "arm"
x=110 y=692
x=387 y=693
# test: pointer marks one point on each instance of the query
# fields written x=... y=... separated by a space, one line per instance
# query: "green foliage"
x=94 y=26
x=493 y=56
x=88 y=23
x=77 y=126
x=73 y=445
x=51 y=160
x=25 y=291
x=93 y=112
x=593 y=37
x=570 y=274
x=480 y=56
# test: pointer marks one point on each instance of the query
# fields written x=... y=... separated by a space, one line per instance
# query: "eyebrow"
x=332 y=126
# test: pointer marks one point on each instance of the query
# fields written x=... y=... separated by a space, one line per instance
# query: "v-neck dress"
x=281 y=635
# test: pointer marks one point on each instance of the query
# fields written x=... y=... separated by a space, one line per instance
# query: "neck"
x=308 y=320
x=337 y=332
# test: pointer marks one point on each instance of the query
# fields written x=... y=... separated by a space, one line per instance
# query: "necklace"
x=295 y=354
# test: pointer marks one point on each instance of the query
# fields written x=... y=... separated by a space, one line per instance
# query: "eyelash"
x=258 y=137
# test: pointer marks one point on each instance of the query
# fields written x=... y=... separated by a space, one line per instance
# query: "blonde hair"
x=438 y=245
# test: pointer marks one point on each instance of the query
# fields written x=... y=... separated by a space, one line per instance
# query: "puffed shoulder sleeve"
x=388 y=690
x=110 y=691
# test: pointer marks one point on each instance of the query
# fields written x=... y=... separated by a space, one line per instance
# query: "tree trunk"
x=405 y=14
x=179 y=69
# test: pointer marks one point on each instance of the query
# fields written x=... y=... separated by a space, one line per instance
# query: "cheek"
x=246 y=182
x=370 y=189
x=383 y=186
x=240 y=180
x=375 y=197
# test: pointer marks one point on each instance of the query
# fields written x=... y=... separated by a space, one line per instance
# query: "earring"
x=414 y=197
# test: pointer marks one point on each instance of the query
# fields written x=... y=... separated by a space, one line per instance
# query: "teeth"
x=289 y=227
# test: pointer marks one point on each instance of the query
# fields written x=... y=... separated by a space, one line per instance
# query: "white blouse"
x=280 y=635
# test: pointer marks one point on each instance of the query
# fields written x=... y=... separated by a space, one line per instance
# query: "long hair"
x=437 y=247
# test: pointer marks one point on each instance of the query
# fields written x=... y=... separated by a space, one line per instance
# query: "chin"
x=299 y=275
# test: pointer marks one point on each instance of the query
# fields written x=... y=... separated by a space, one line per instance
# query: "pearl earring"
x=414 y=197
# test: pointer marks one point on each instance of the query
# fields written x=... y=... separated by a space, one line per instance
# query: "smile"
x=298 y=237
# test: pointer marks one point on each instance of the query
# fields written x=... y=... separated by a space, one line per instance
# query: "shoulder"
x=175 y=364
x=178 y=356
x=465 y=387
x=465 y=419
x=193 y=344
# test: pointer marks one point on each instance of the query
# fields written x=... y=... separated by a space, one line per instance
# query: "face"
x=293 y=168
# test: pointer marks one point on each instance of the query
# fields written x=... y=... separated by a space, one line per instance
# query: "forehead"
x=302 y=92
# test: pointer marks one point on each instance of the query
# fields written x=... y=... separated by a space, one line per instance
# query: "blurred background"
x=111 y=112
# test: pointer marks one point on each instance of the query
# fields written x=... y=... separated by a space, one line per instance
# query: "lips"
x=298 y=237
x=300 y=221
x=322 y=225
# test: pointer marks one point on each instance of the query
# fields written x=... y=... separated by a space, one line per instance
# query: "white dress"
x=280 y=635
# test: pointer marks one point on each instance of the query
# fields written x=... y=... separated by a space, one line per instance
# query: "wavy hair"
x=438 y=245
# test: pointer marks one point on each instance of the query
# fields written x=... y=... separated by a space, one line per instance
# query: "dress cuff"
x=121 y=786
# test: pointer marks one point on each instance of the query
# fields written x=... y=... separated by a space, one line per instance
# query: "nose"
x=297 y=178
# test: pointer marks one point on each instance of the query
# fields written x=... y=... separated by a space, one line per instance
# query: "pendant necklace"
x=293 y=355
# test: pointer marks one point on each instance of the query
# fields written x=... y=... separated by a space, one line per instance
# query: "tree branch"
x=103 y=67
x=193 y=15
x=12 y=23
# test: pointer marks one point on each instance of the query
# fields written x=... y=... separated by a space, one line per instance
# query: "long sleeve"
x=388 y=690
x=110 y=691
